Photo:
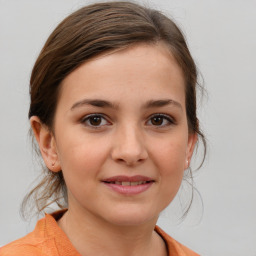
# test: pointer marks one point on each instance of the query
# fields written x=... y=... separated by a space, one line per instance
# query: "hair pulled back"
x=86 y=33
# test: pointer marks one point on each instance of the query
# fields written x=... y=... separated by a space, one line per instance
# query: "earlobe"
x=192 y=140
x=46 y=143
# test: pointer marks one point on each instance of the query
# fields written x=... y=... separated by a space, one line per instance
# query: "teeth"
x=127 y=183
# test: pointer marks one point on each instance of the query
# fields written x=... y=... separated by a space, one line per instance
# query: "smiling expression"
x=121 y=134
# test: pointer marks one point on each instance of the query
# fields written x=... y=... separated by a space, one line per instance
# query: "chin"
x=133 y=216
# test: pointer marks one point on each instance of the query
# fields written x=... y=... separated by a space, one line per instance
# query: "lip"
x=127 y=189
x=124 y=178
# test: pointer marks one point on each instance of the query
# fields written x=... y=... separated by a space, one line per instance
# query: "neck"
x=93 y=236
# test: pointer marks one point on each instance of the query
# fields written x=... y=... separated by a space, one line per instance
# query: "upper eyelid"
x=104 y=116
x=163 y=115
x=85 y=117
x=160 y=114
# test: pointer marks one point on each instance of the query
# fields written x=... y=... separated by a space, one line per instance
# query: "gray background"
x=222 y=38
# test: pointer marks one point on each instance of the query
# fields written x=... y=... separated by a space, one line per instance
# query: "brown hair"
x=88 y=32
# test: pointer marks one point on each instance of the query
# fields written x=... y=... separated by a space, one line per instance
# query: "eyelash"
x=88 y=118
x=164 y=117
x=169 y=119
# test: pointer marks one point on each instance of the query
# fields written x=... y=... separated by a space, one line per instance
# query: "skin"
x=126 y=140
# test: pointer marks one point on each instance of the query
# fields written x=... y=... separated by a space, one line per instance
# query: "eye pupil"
x=95 y=120
x=157 y=120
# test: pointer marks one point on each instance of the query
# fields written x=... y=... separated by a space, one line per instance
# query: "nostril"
x=130 y=161
x=129 y=152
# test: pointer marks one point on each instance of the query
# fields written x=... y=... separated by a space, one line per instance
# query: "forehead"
x=142 y=70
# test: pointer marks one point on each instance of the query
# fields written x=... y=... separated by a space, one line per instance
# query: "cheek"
x=81 y=158
x=81 y=166
x=171 y=155
x=170 y=159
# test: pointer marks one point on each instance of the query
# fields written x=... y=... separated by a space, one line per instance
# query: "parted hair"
x=86 y=33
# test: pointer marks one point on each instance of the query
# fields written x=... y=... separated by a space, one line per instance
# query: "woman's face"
x=121 y=134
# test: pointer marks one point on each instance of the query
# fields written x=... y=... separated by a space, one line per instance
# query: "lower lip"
x=129 y=190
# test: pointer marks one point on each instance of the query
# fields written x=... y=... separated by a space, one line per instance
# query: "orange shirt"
x=48 y=239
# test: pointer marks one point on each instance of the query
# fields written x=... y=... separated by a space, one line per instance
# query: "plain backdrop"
x=221 y=35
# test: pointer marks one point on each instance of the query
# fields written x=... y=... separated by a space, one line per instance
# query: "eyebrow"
x=162 y=103
x=106 y=104
x=94 y=102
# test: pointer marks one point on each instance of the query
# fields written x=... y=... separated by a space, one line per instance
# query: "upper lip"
x=123 y=178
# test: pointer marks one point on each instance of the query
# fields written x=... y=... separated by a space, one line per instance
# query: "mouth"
x=129 y=185
x=128 y=180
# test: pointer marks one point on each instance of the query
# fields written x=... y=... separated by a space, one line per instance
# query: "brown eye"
x=95 y=121
x=160 y=120
x=157 y=120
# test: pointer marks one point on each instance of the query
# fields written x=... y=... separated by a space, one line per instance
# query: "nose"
x=129 y=146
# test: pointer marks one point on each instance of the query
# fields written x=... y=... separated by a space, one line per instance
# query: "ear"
x=192 y=140
x=46 y=143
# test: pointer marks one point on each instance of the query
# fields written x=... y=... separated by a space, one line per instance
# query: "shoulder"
x=36 y=243
x=30 y=246
x=20 y=248
x=175 y=248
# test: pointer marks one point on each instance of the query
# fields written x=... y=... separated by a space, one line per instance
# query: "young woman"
x=113 y=110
